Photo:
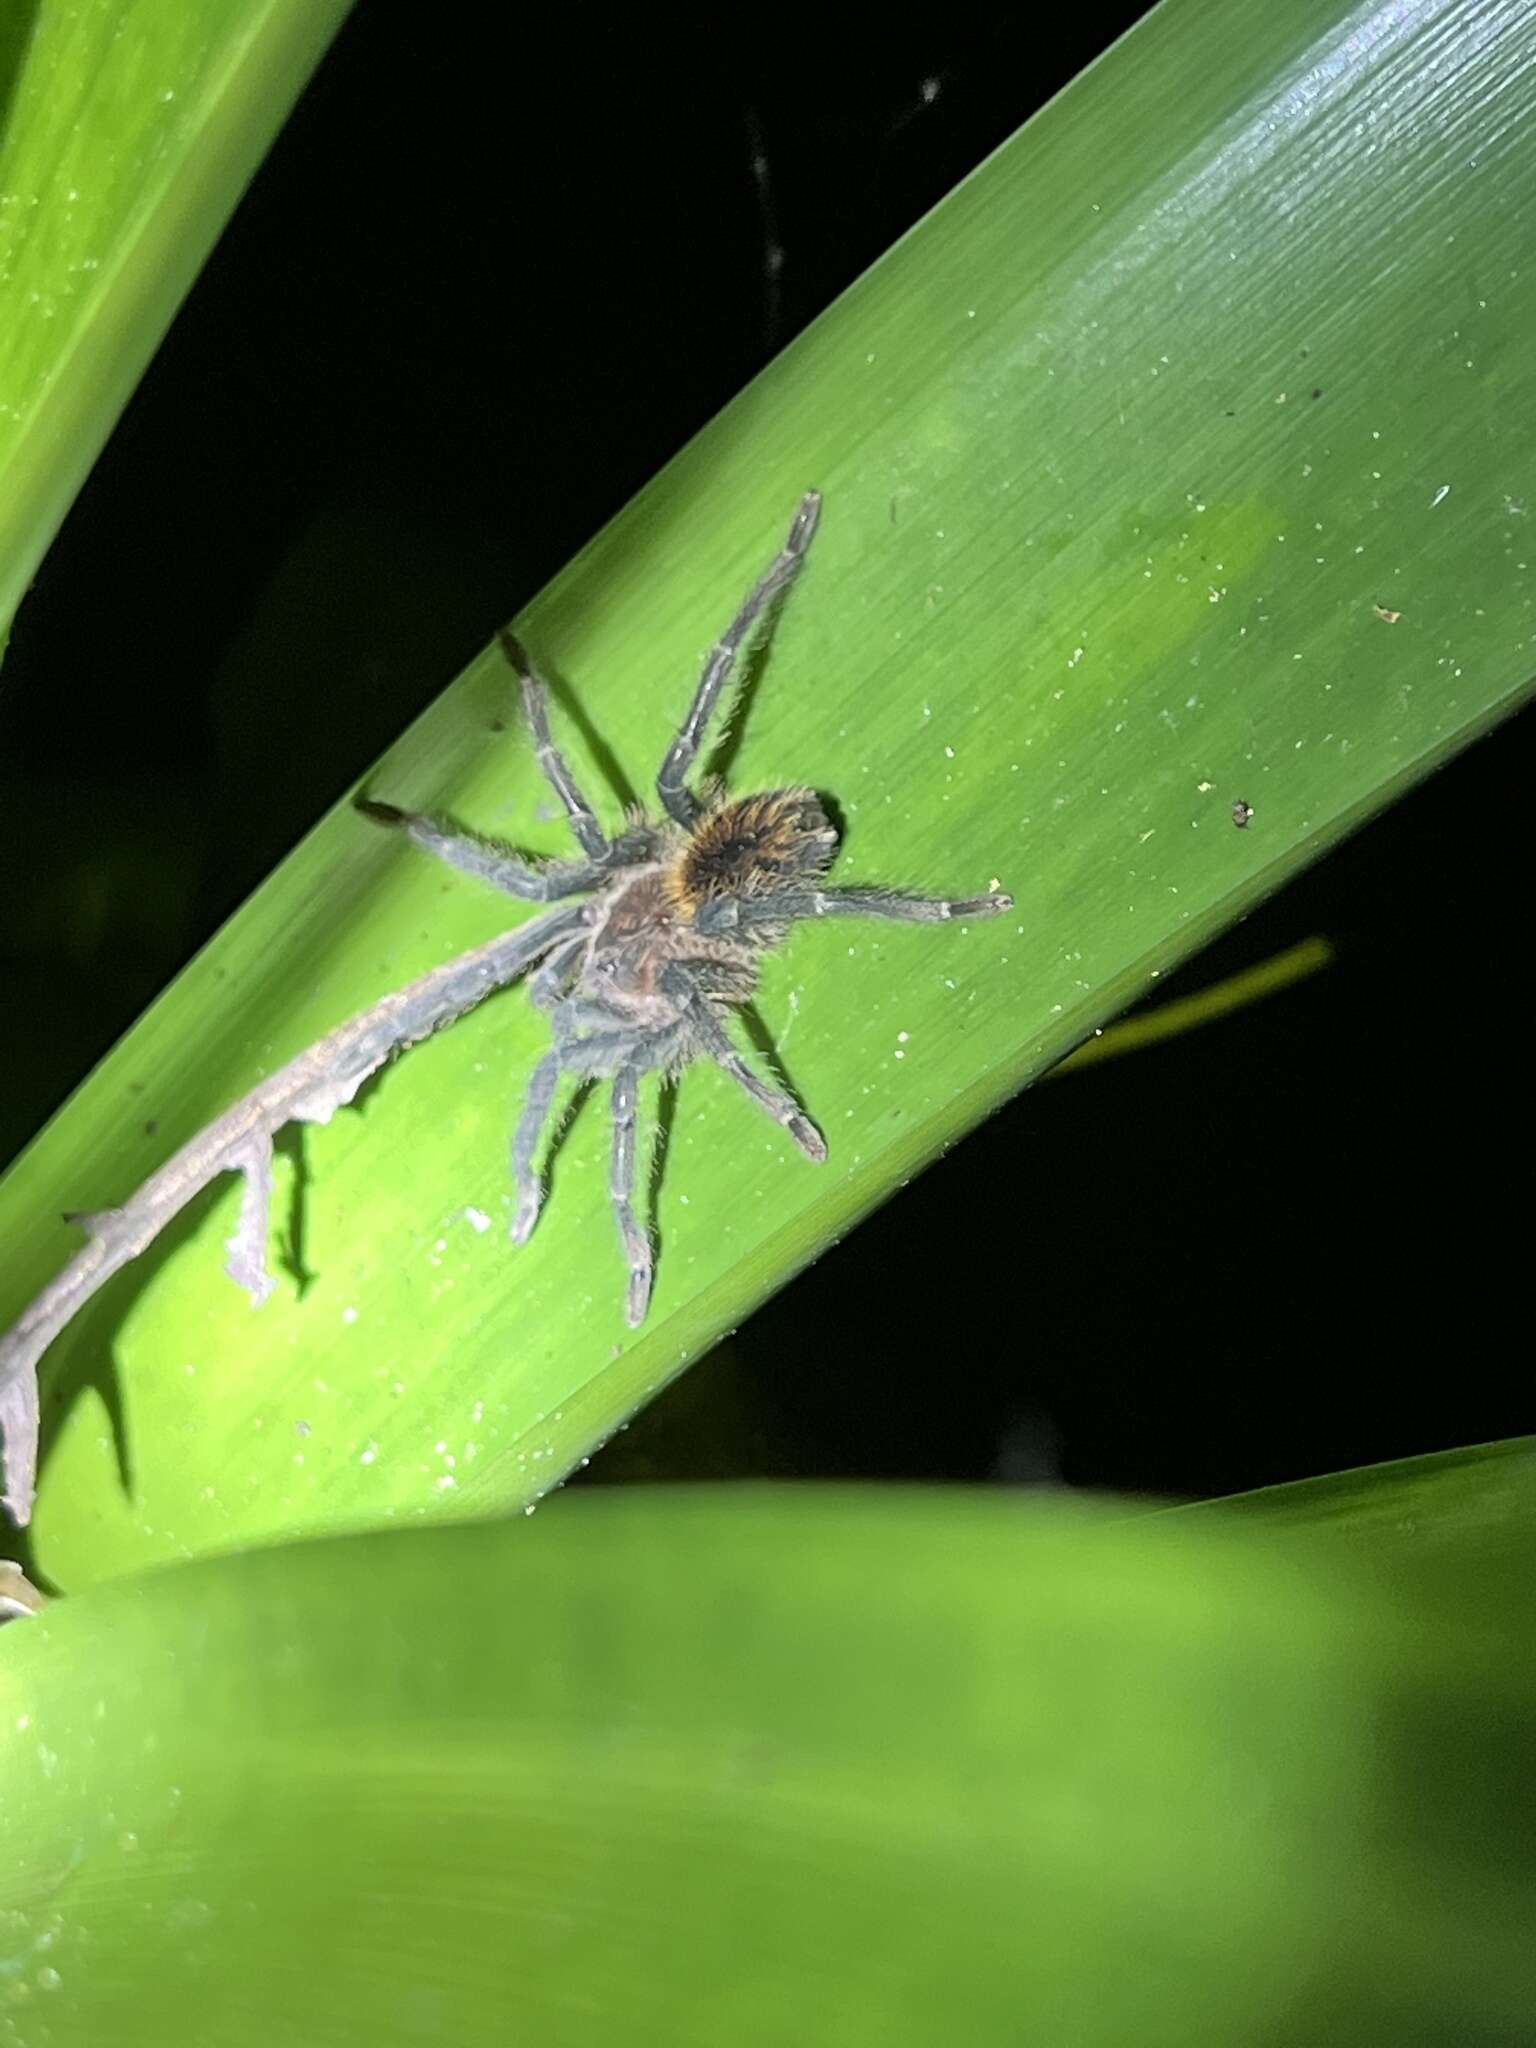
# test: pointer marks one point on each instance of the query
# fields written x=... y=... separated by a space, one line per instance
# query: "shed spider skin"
x=640 y=974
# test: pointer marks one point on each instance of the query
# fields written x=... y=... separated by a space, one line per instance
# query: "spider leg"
x=530 y=1189
x=671 y=784
x=548 y=987
x=471 y=856
x=590 y=836
x=621 y=1185
x=710 y=1036
x=895 y=904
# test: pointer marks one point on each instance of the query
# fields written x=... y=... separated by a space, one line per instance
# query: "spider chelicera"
x=679 y=910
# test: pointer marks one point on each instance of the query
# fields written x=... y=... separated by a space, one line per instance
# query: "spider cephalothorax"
x=640 y=974
x=678 y=913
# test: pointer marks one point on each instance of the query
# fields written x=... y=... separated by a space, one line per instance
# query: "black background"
x=1282 y=1245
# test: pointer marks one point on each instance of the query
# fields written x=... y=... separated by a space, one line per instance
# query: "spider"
x=679 y=912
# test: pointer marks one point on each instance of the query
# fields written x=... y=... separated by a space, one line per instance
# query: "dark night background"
x=1285 y=1244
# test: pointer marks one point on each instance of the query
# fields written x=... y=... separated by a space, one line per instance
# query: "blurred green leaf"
x=1454 y=1526
x=761 y=1766
x=1129 y=451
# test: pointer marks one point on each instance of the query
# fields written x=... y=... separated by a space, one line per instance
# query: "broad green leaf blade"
x=1455 y=1523
x=1454 y=1499
x=761 y=1766
x=1175 y=462
x=128 y=131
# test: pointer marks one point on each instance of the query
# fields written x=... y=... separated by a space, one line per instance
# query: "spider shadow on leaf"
x=735 y=717
x=567 y=1120
x=767 y=1047
x=288 y=1248
x=665 y=1119
x=18 y=22
x=87 y=1358
x=736 y=709
x=602 y=756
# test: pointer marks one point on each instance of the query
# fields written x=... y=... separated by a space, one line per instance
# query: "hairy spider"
x=640 y=975
x=680 y=911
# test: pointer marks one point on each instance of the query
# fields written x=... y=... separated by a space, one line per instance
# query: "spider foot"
x=529 y=1203
x=806 y=1136
x=639 y=1298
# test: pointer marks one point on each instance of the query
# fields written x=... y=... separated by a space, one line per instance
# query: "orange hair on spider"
x=752 y=846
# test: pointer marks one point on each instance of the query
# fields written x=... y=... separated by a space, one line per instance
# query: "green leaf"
x=1455 y=1525
x=758 y=1765
x=1175 y=462
x=128 y=131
